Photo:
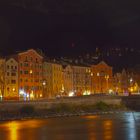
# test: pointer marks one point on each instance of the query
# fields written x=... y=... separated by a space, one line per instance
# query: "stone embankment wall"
x=42 y=104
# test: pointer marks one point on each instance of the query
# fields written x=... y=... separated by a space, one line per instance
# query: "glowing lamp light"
x=32 y=95
x=131 y=89
x=41 y=95
x=110 y=91
x=44 y=83
x=71 y=94
x=31 y=71
x=21 y=92
x=86 y=93
x=131 y=80
x=27 y=95
x=14 y=89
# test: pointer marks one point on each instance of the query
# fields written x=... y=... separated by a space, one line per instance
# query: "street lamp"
x=99 y=84
x=107 y=77
x=91 y=74
x=44 y=85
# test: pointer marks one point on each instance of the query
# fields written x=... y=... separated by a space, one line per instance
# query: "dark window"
x=13 y=81
x=13 y=74
x=26 y=72
x=26 y=64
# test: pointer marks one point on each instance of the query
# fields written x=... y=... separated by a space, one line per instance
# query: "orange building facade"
x=102 y=78
x=30 y=74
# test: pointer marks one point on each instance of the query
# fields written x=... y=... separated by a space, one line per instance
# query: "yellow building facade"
x=2 y=77
x=52 y=75
x=67 y=77
x=11 y=79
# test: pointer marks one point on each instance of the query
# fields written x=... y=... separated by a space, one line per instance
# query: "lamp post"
x=99 y=85
x=44 y=85
x=91 y=81
x=107 y=77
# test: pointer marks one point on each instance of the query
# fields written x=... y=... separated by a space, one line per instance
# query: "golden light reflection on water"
x=91 y=126
x=106 y=127
x=107 y=130
x=91 y=117
x=13 y=128
x=13 y=134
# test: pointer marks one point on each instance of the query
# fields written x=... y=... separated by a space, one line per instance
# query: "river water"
x=121 y=126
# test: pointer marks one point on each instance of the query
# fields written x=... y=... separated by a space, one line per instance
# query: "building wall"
x=30 y=73
x=2 y=76
x=81 y=79
x=11 y=79
x=102 y=78
x=67 y=80
x=53 y=76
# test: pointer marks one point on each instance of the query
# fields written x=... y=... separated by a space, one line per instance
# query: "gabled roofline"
x=25 y=52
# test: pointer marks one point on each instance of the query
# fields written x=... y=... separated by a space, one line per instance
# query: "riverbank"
x=61 y=110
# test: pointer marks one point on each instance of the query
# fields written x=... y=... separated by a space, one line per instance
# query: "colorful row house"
x=28 y=76
x=102 y=78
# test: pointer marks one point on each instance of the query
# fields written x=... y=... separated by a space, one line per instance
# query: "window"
x=26 y=64
x=8 y=74
x=26 y=72
x=21 y=72
x=13 y=81
x=15 y=67
x=13 y=74
x=12 y=67
x=7 y=66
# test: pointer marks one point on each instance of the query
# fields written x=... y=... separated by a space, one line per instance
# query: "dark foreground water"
x=124 y=126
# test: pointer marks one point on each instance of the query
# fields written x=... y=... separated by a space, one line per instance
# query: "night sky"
x=65 y=27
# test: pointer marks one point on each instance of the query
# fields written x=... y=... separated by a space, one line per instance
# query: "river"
x=119 y=126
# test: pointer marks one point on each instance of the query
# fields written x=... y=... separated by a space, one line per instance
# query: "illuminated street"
x=124 y=126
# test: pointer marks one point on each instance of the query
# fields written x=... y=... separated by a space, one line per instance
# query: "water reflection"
x=107 y=130
x=131 y=126
x=13 y=127
x=104 y=127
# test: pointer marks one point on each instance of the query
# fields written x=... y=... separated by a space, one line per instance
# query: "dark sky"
x=68 y=26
